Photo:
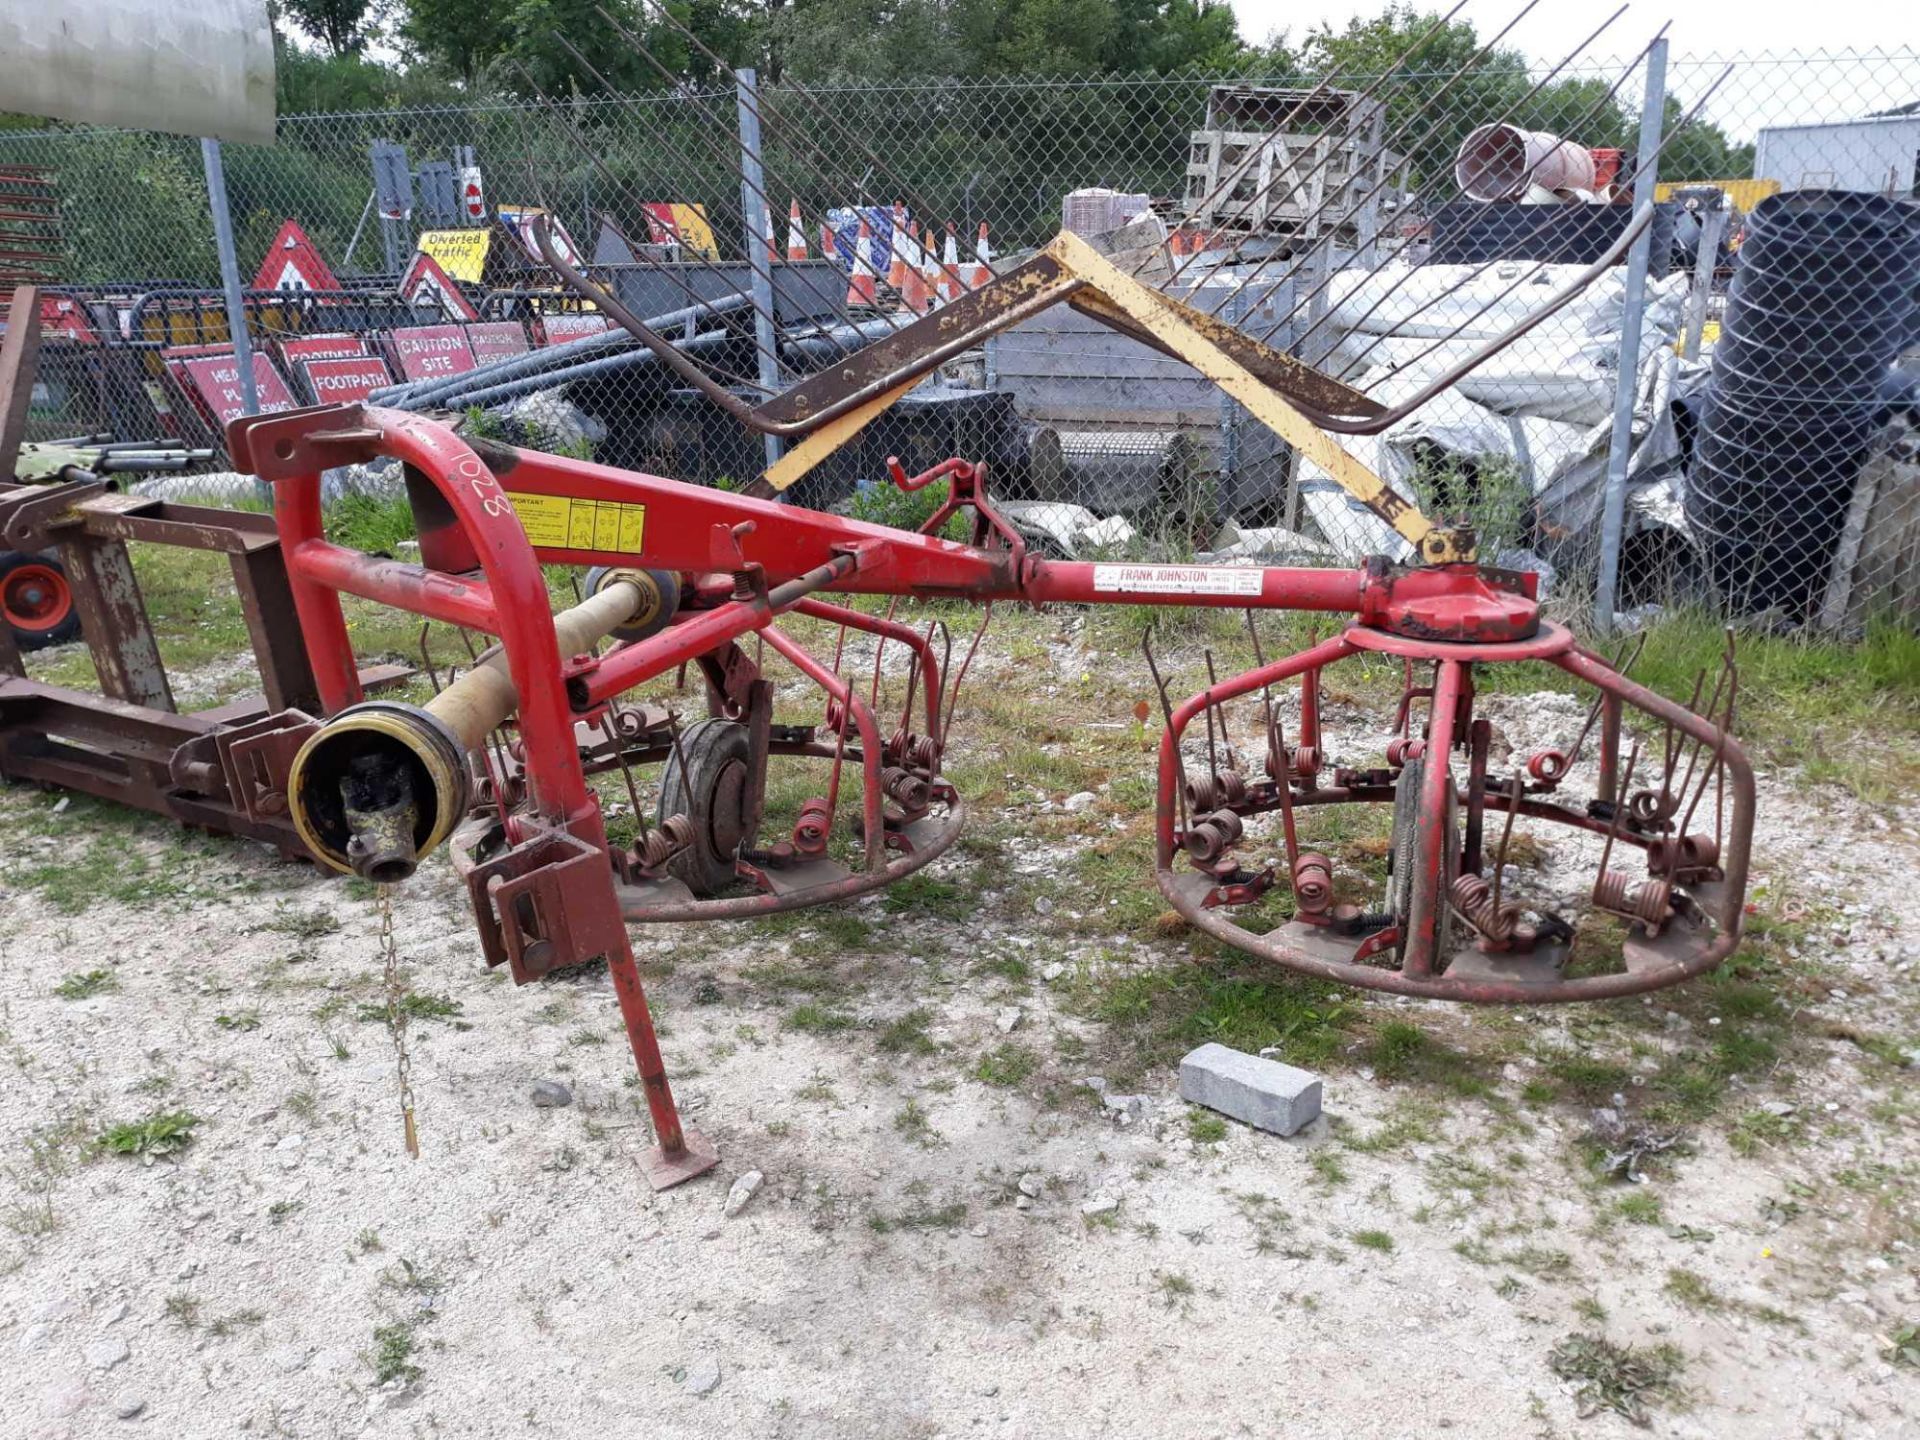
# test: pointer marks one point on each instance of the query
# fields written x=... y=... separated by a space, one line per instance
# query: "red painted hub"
x=35 y=597
x=1463 y=604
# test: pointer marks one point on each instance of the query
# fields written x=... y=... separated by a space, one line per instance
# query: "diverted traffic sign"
x=427 y=352
x=425 y=283
x=345 y=380
x=293 y=263
x=460 y=253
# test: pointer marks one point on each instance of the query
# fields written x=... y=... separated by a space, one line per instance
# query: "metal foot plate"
x=664 y=1171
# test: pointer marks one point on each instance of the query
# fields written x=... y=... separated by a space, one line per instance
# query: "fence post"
x=230 y=273
x=1646 y=173
x=1713 y=229
x=753 y=215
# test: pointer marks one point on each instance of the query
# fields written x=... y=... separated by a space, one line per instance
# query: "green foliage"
x=154 y=1136
x=85 y=983
x=341 y=25
x=1614 y=1377
x=369 y=523
x=393 y=1347
x=1006 y=1065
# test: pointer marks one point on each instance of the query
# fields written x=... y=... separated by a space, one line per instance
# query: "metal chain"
x=397 y=1018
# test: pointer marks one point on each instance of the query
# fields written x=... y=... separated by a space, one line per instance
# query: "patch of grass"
x=1693 y=1290
x=1373 y=1240
x=1617 y=1378
x=1902 y=1346
x=1176 y=1290
x=239 y=1020
x=1204 y=1128
x=907 y=1035
x=1154 y=1016
x=925 y=895
x=1327 y=1169
x=392 y=1359
x=1006 y=1065
x=370 y=523
x=86 y=983
x=943 y=1217
x=154 y=1136
x=812 y=1019
x=415 y=1005
x=912 y=1122
x=1639 y=1207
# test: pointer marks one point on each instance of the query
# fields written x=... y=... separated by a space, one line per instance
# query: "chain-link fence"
x=1721 y=416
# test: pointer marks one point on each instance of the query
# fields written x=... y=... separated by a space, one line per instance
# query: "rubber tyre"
x=716 y=755
x=1400 y=860
x=36 y=600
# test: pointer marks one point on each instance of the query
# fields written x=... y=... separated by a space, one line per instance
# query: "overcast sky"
x=1701 y=30
x=1700 y=27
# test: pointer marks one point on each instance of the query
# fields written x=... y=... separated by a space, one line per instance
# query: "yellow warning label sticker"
x=565 y=522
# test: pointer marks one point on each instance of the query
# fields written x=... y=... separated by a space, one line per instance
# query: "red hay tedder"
x=497 y=766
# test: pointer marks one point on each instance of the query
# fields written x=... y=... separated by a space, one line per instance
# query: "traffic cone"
x=861 y=287
x=766 y=220
x=796 y=233
x=982 y=267
x=828 y=249
x=949 y=282
x=897 y=251
x=918 y=297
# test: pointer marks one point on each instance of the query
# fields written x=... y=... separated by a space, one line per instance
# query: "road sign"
x=518 y=220
x=392 y=181
x=343 y=380
x=438 y=203
x=293 y=263
x=320 y=347
x=428 y=352
x=473 y=199
x=496 y=340
x=461 y=253
x=426 y=283
x=215 y=382
x=561 y=325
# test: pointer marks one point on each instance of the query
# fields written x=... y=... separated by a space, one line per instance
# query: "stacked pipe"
x=1822 y=301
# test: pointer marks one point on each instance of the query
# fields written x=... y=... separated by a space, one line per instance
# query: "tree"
x=460 y=37
x=1440 y=85
x=1699 y=150
x=341 y=25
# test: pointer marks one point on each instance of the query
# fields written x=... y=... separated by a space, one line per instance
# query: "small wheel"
x=660 y=597
x=1403 y=858
x=715 y=801
x=36 y=601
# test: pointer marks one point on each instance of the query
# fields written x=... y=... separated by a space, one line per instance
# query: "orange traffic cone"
x=918 y=297
x=766 y=221
x=796 y=233
x=897 y=251
x=861 y=286
x=828 y=249
x=982 y=267
x=949 y=282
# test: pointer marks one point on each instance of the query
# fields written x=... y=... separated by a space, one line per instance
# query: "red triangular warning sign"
x=293 y=263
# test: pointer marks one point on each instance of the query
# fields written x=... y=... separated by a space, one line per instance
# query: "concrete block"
x=1262 y=1093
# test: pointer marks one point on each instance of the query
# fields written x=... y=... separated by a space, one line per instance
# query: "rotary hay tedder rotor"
x=497 y=766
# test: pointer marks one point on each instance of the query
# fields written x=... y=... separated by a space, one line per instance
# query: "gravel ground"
x=938 y=1247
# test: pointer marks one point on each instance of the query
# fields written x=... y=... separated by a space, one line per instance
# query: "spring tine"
x=952 y=702
x=1166 y=711
x=426 y=657
x=626 y=770
x=1506 y=836
x=1213 y=758
x=1266 y=697
x=880 y=649
x=1619 y=809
